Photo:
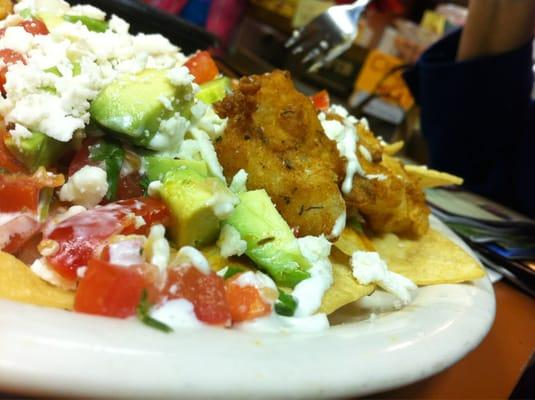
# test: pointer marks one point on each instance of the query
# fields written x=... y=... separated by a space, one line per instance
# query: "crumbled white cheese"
x=16 y=38
x=154 y=189
x=18 y=133
x=80 y=272
x=45 y=271
x=139 y=221
x=188 y=255
x=222 y=202
x=368 y=267
x=230 y=242
x=260 y=281
x=166 y=101
x=309 y=292
x=157 y=247
x=176 y=313
x=88 y=11
x=239 y=182
x=118 y=25
x=86 y=187
x=126 y=251
x=58 y=105
x=170 y=134
x=54 y=7
x=211 y=123
x=207 y=151
x=180 y=76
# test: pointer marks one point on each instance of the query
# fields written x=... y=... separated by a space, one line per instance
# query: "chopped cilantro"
x=113 y=156
x=142 y=311
x=92 y=24
x=286 y=304
x=26 y=13
x=355 y=225
x=144 y=182
x=231 y=271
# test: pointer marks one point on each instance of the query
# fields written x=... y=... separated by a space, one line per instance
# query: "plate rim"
x=16 y=380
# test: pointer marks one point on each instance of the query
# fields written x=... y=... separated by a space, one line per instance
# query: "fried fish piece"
x=392 y=203
x=273 y=132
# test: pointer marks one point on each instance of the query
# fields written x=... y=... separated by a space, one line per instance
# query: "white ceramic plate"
x=46 y=351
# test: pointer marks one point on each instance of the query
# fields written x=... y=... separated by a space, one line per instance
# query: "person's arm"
x=474 y=111
x=496 y=27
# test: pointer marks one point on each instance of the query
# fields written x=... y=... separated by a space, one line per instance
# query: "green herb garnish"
x=356 y=225
x=144 y=182
x=113 y=157
x=231 y=271
x=92 y=24
x=142 y=312
x=26 y=13
x=286 y=304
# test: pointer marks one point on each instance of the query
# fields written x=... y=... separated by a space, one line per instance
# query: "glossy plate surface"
x=46 y=351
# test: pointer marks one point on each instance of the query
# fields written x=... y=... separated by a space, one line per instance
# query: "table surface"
x=492 y=369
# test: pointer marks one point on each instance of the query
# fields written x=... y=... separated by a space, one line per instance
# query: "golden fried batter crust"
x=274 y=134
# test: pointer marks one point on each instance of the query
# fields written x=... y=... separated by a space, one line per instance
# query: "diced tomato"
x=321 y=100
x=81 y=158
x=7 y=160
x=153 y=211
x=8 y=57
x=20 y=193
x=202 y=66
x=17 y=231
x=205 y=292
x=109 y=290
x=80 y=235
x=245 y=302
x=129 y=186
x=34 y=26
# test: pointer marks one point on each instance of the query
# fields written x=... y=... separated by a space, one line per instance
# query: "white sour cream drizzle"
x=345 y=135
x=176 y=313
x=309 y=292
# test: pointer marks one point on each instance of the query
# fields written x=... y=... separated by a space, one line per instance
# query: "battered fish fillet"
x=273 y=132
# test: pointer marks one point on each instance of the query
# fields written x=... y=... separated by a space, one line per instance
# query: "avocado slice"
x=157 y=166
x=214 y=91
x=135 y=105
x=187 y=194
x=36 y=150
x=271 y=243
x=50 y=20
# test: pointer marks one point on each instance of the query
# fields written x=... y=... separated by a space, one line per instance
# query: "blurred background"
x=392 y=33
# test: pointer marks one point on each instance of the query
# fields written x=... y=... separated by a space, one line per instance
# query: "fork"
x=328 y=35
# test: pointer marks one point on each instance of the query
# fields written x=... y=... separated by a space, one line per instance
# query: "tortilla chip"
x=218 y=262
x=351 y=241
x=19 y=283
x=430 y=260
x=345 y=289
x=393 y=148
x=428 y=178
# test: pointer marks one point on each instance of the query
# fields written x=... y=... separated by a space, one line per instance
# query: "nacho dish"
x=138 y=182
